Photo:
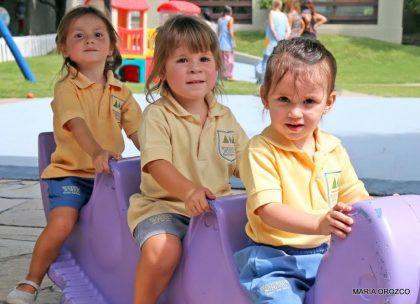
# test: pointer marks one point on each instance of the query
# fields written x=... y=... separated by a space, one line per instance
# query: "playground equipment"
x=98 y=261
x=136 y=45
x=171 y=8
x=24 y=67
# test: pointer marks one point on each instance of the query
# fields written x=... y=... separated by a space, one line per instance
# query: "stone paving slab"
x=14 y=269
x=27 y=214
x=20 y=189
x=21 y=221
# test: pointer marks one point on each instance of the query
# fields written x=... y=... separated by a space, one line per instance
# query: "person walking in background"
x=90 y=108
x=311 y=18
x=189 y=147
x=294 y=16
x=227 y=41
x=277 y=29
x=205 y=13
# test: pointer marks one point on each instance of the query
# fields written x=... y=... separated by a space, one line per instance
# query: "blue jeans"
x=278 y=274
x=164 y=223
x=264 y=66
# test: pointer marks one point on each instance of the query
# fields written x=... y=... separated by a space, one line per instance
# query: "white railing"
x=29 y=46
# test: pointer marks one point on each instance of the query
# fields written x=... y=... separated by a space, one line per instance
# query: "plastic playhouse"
x=137 y=44
x=171 y=8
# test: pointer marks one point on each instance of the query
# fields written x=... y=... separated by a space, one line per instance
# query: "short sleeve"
x=352 y=188
x=258 y=169
x=66 y=104
x=131 y=115
x=155 y=136
x=241 y=141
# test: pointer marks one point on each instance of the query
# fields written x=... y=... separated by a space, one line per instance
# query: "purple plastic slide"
x=378 y=263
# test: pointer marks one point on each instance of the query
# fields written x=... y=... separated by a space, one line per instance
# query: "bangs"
x=318 y=73
x=192 y=36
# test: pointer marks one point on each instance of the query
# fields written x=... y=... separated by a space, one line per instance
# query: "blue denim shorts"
x=164 y=223
x=278 y=274
x=69 y=191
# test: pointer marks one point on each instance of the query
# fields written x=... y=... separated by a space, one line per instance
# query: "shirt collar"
x=170 y=103
x=82 y=82
x=324 y=142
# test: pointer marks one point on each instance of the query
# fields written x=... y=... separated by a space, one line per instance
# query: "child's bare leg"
x=61 y=222
x=160 y=255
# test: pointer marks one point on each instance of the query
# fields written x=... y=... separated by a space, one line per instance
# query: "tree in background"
x=413 y=5
x=264 y=4
x=411 y=22
x=58 y=6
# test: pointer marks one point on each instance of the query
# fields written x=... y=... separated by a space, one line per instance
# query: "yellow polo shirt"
x=205 y=154
x=273 y=170
x=105 y=110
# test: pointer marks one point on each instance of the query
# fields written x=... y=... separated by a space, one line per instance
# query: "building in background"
x=377 y=19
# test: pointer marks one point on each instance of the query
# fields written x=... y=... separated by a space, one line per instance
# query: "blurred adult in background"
x=311 y=18
x=206 y=14
x=277 y=29
x=227 y=41
x=294 y=16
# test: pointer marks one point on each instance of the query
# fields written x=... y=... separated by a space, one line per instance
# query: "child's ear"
x=111 y=51
x=162 y=76
x=63 y=51
x=330 y=101
x=263 y=95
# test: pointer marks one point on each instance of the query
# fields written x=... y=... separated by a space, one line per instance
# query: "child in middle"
x=299 y=180
x=189 y=146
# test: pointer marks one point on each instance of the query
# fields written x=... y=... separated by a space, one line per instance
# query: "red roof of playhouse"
x=131 y=5
x=180 y=6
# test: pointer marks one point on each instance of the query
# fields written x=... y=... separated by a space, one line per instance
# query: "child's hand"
x=196 y=201
x=101 y=159
x=336 y=221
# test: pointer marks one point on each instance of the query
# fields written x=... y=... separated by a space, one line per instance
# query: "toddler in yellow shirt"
x=189 y=146
x=90 y=108
x=298 y=179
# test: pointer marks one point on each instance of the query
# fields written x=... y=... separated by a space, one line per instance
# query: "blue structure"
x=26 y=71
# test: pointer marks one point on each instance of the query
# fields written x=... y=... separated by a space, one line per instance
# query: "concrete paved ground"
x=21 y=221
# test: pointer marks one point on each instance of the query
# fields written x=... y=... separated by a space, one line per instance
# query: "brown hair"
x=297 y=56
x=186 y=30
x=292 y=4
x=112 y=63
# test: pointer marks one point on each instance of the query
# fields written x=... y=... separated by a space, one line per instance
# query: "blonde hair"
x=189 y=31
x=112 y=63
x=276 y=4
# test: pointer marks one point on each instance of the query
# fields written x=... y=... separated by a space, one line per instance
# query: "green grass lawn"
x=46 y=68
x=364 y=65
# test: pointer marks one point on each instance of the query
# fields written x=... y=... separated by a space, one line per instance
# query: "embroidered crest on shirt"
x=226 y=145
x=332 y=181
x=117 y=105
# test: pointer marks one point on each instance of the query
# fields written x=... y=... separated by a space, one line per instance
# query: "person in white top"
x=277 y=29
